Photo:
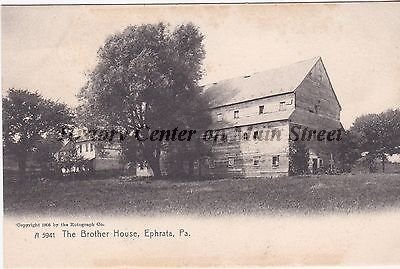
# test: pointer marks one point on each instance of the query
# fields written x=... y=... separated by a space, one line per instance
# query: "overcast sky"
x=50 y=49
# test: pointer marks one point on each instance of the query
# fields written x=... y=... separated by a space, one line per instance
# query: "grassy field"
x=303 y=195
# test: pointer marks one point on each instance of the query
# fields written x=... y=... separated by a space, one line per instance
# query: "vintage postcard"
x=201 y=135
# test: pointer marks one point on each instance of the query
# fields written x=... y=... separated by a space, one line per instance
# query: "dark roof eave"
x=244 y=125
x=249 y=100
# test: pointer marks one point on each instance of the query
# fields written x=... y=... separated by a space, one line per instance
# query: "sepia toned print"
x=273 y=128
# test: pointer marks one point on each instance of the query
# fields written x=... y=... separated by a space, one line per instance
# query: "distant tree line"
x=369 y=141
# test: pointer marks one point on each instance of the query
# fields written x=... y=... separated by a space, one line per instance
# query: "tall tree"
x=345 y=152
x=147 y=75
x=28 y=120
x=379 y=134
x=298 y=158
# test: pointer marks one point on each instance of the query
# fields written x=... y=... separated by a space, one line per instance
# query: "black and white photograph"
x=201 y=135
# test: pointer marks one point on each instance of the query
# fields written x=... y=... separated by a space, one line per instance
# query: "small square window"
x=282 y=105
x=231 y=162
x=261 y=110
x=255 y=135
x=275 y=161
x=256 y=160
x=236 y=114
x=224 y=137
x=316 y=108
x=211 y=163
x=219 y=117
x=237 y=133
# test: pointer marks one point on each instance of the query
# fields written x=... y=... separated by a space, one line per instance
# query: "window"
x=236 y=114
x=237 y=133
x=282 y=105
x=246 y=136
x=275 y=161
x=224 y=137
x=91 y=147
x=231 y=162
x=196 y=164
x=211 y=163
x=80 y=148
x=316 y=108
x=261 y=110
x=219 y=117
x=256 y=160
x=255 y=135
x=87 y=147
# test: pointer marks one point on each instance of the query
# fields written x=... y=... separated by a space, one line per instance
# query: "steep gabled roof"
x=258 y=85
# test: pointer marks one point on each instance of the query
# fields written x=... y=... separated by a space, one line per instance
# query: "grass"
x=304 y=195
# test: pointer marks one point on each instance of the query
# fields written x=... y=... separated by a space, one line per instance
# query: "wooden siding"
x=315 y=100
x=317 y=107
x=249 y=111
x=311 y=104
x=244 y=151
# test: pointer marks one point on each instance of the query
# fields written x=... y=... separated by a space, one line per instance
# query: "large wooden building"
x=254 y=115
x=252 y=118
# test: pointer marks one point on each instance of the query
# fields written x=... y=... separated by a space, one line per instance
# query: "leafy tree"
x=182 y=154
x=44 y=151
x=147 y=75
x=298 y=158
x=28 y=120
x=378 y=135
x=346 y=151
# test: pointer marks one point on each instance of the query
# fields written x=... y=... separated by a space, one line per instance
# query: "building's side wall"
x=105 y=157
x=106 y=164
x=249 y=111
x=272 y=141
x=108 y=157
x=315 y=102
x=317 y=108
x=86 y=149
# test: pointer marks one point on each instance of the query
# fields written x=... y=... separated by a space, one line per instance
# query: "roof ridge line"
x=262 y=71
x=315 y=63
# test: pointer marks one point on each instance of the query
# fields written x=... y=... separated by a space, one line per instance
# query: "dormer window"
x=236 y=114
